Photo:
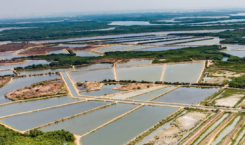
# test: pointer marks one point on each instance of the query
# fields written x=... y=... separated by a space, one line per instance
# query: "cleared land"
x=90 y=86
x=15 y=46
x=41 y=50
x=4 y=80
x=178 y=128
x=41 y=89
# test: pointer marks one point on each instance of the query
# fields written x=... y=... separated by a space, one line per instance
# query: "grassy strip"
x=237 y=135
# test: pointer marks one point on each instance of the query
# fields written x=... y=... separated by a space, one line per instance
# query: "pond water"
x=226 y=131
x=106 y=89
x=27 y=63
x=58 y=51
x=73 y=91
x=8 y=72
x=86 y=54
x=130 y=23
x=147 y=73
x=225 y=58
x=18 y=83
x=43 y=71
x=161 y=48
x=137 y=92
x=211 y=129
x=30 y=120
x=100 y=65
x=187 y=95
x=179 y=41
x=87 y=122
x=187 y=72
x=160 y=129
x=236 y=53
x=128 y=127
x=215 y=41
x=134 y=62
x=153 y=94
x=70 y=45
x=34 y=105
x=92 y=76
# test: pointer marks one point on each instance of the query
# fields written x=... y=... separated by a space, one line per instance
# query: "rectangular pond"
x=61 y=51
x=27 y=121
x=147 y=73
x=33 y=105
x=161 y=48
x=86 y=54
x=187 y=95
x=28 y=62
x=134 y=62
x=44 y=71
x=215 y=41
x=7 y=72
x=69 y=83
x=187 y=72
x=106 y=89
x=92 y=76
x=128 y=127
x=152 y=94
x=87 y=122
x=235 y=53
x=100 y=65
x=18 y=83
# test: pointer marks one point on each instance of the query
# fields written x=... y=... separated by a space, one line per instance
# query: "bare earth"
x=178 y=128
x=4 y=80
x=216 y=80
x=229 y=101
x=134 y=86
x=91 y=86
x=40 y=89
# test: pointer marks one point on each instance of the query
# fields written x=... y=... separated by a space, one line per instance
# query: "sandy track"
x=228 y=138
x=209 y=139
x=204 y=127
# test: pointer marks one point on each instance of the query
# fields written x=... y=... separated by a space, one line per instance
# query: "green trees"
x=238 y=82
x=35 y=137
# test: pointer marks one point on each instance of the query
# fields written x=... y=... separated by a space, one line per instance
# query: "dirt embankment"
x=4 y=80
x=15 y=46
x=90 y=86
x=10 y=61
x=134 y=86
x=41 y=89
x=41 y=50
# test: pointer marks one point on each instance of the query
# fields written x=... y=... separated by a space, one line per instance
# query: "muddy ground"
x=45 y=88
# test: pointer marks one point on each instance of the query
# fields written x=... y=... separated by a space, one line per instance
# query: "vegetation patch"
x=9 y=137
x=4 y=80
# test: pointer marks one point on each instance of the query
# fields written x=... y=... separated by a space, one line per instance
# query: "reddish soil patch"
x=41 y=89
x=15 y=46
x=134 y=86
x=4 y=80
x=41 y=50
x=91 y=86
x=9 y=61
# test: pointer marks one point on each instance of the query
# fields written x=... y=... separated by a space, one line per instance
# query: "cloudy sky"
x=28 y=7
